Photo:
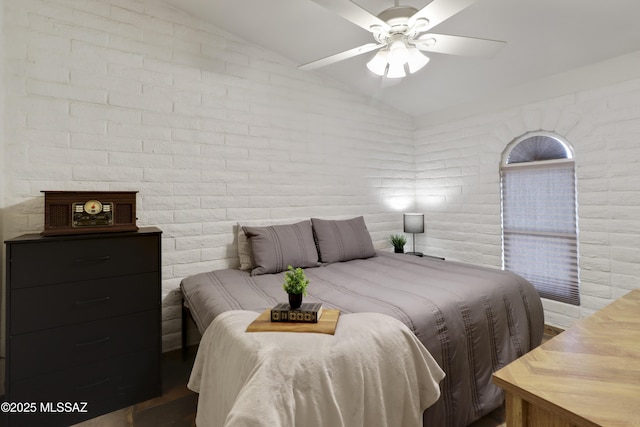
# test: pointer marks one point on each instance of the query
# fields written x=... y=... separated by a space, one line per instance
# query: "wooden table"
x=588 y=375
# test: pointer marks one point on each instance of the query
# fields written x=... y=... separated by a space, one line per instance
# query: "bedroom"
x=211 y=130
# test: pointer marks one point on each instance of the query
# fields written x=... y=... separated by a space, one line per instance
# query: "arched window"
x=539 y=214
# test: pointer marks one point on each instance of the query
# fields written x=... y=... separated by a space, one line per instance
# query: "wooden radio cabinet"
x=83 y=212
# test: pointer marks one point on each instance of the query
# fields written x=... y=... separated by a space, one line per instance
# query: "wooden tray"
x=326 y=325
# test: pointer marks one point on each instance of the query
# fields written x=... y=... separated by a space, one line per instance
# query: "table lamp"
x=414 y=223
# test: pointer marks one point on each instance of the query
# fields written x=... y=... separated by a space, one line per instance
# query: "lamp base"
x=414 y=253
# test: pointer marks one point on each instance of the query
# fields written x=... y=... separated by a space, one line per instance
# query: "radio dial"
x=93 y=207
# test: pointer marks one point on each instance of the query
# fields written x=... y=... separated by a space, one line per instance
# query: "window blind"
x=539 y=227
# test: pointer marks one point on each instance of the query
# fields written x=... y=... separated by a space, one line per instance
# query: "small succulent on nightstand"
x=295 y=284
x=398 y=241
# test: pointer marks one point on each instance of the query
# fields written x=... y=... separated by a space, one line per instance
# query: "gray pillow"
x=276 y=247
x=342 y=240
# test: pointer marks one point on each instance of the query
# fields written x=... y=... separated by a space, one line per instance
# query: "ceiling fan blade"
x=354 y=13
x=440 y=10
x=341 y=56
x=458 y=45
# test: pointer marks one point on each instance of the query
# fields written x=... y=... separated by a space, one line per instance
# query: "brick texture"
x=210 y=129
x=458 y=186
x=133 y=95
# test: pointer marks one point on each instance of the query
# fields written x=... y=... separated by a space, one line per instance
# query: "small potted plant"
x=398 y=241
x=295 y=284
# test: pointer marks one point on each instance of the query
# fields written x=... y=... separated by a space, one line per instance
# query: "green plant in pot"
x=295 y=284
x=398 y=241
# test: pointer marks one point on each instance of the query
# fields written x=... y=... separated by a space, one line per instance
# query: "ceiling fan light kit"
x=390 y=62
x=401 y=33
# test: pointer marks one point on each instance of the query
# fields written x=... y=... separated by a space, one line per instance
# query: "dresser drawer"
x=83 y=323
x=75 y=345
x=129 y=378
x=52 y=306
x=57 y=261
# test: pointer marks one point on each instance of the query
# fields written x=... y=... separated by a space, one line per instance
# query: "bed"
x=372 y=371
x=472 y=320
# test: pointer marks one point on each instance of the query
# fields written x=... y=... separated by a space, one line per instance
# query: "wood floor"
x=175 y=408
x=177 y=405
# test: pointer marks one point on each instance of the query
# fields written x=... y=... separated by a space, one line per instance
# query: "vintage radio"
x=82 y=212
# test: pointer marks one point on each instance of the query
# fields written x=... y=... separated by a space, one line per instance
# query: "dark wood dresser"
x=83 y=325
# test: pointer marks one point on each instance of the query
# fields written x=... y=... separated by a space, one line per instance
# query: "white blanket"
x=372 y=372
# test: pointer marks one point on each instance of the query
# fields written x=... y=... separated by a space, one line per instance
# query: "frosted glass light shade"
x=396 y=71
x=398 y=53
x=392 y=60
x=416 y=60
x=378 y=64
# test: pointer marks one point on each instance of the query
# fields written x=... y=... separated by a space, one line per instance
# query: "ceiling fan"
x=402 y=33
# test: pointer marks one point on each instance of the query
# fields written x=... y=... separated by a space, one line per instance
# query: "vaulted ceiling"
x=543 y=38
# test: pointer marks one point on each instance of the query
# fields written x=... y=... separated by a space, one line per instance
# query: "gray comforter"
x=473 y=320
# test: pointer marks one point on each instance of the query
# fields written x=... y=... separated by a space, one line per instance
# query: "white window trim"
x=540 y=164
x=507 y=151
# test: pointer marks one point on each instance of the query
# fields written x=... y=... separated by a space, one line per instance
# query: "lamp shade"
x=378 y=64
x=416 y=60
x=398 y=53
x=414 y=223
x=396 y=71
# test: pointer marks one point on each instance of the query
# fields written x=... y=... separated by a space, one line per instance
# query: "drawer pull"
x=97 y=259
x=93 y=301
x=97 y=383
x=94 y=342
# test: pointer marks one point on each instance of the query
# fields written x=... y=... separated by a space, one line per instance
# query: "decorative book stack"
x=308 y=312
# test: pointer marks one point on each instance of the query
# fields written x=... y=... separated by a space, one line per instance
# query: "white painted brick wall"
x=133 y=95
x=458 y=186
